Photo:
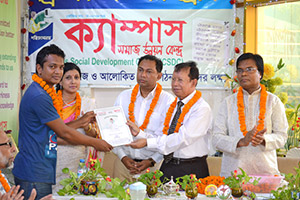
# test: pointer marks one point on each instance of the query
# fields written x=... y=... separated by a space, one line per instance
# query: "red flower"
x=235 y=79
x=108 y=179
x=23 y=30
x=233 y=33
x=23 y=87
x=232 y=2
x=237 y=50
x=30 y=3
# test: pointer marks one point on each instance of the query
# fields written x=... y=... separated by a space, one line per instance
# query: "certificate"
x=112 y=125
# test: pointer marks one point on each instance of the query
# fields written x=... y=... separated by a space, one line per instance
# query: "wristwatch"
x=152 y=162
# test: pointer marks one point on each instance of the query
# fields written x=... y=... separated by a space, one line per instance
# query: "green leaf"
x=280 y=64
x=65 y=182
x=65 y=170
x=61 y=192
x=68 y=187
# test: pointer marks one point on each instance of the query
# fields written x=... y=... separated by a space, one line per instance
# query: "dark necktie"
x=171 y=130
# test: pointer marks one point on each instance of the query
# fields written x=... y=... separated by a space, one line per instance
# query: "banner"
x=106 y=38
x=9 y=67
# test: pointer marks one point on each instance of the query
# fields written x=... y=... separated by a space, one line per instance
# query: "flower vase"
x=88 y=187
x=151 y=190
x=237 y=192
x=191 y=192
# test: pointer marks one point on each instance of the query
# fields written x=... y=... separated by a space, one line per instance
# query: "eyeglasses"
x=6 y=143
x=247 y=70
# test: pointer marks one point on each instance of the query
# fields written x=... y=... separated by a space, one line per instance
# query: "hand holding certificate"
x=112 y=125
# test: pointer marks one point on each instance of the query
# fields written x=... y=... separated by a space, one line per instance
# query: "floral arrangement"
x=150 y=178
x=187 y=181
x=292 y=189
x=106 y=185
x=237 y=180
x=216 y=180
x=269 y=72
x=294 y=130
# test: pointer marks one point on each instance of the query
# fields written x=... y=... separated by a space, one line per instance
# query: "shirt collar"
x=254 y=93
x=186 y=99
x=151 y=94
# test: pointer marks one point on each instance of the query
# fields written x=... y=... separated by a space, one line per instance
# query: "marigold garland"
x=216 y=180
x=51 y=91
x=78 y=103
x=4 y=182
x=185 y=110
x=152 y=105
x=262 y=109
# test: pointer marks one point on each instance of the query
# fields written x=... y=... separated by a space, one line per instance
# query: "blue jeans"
x=42 y=189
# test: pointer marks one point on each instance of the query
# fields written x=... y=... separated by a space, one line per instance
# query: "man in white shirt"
x=143 y=106
x=251 y=124
x=184 y=141
x=7 y=154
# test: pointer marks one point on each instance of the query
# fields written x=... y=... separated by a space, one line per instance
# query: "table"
x=181 y=197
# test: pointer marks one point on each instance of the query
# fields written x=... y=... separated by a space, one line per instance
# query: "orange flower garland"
x=51 y=91
x=152 y=105
x=78 y=103
x=262 y=109
x=216 y=180
x=4 y=183
x=185 y=110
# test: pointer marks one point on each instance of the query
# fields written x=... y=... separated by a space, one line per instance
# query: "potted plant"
x=235 y=182
x=152 y=181
x=189 y=184
x=292 y=189
x=93 y=182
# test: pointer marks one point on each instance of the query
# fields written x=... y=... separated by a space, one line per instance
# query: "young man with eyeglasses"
x=251 y=124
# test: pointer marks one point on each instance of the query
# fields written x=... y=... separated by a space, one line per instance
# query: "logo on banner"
x=52 y=2
x=40 y=29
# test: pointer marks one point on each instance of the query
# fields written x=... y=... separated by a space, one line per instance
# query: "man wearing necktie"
x=186 y=127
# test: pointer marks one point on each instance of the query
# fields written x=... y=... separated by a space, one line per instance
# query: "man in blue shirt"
x=35 y=164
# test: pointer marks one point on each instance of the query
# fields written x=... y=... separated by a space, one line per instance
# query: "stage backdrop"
x=9 y=67
x=106 y=38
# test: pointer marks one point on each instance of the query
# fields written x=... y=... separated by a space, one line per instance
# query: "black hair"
x=256 y=57
x=194 y=71
x=158 y=62
x=46 y=51
x=68 y=66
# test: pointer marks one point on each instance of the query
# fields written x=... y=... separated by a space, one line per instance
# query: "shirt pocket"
x=155 y=122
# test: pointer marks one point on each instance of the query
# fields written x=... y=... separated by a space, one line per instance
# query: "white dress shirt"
x=141 y=106
x=192 y=138
x=257 y=160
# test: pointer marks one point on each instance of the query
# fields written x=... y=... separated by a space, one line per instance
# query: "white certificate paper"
x=112 y=125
